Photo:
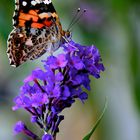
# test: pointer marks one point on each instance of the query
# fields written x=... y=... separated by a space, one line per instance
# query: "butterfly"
x=36 y=30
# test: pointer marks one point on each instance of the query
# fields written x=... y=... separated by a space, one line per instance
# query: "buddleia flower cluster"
x=47 y=92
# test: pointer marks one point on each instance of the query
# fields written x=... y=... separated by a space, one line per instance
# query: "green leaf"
x=88 y=136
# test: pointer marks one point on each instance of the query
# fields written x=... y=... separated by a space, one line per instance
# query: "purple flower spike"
x=46 y=93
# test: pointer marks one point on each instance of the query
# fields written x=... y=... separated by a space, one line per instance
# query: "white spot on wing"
x=33 y=3
x=38 y=1
x=47 y=1
x=24 y=3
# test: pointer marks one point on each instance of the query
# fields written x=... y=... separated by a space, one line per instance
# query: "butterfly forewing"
x=36 y=30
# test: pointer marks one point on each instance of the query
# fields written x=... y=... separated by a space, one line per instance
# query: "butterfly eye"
x=69 y=34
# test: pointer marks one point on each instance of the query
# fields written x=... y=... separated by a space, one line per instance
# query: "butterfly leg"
x=54 y=47
x=51 y=52
x=67 y=41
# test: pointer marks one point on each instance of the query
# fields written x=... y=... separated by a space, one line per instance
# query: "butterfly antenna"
x=74 y=18
x=77 y=18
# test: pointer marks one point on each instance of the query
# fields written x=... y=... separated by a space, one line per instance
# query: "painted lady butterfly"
x=37 y=29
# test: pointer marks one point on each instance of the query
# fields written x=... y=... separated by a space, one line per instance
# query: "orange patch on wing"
x=22 y=22
x=27 y=17
x=33 y=12
x=47 y=23
x=37 y=25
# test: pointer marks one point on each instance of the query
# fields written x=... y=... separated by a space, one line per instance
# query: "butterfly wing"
x=37 y=29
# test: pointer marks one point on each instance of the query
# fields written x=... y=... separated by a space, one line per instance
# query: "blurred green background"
x=114 y=27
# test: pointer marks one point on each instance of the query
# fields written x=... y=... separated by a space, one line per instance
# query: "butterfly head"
x=68 y=35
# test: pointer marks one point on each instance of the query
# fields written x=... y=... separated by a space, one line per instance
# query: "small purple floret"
x=47 y=137
x=19 y=127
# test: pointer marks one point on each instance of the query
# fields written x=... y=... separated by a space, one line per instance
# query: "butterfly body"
x=37 y=29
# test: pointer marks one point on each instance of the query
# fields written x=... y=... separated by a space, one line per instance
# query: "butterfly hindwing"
x=22 y=47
